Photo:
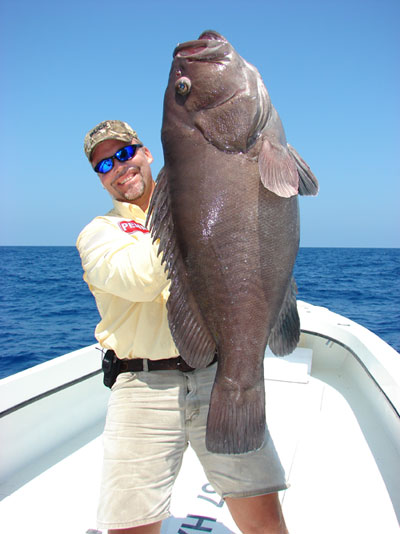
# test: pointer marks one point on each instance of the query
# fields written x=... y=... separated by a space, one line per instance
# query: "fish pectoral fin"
x=236 y=421
x=188 y=329
x=285 y=333
x=308 y=185
x=278 y=169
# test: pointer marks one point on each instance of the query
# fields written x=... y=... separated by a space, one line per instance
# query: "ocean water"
x=47 y=309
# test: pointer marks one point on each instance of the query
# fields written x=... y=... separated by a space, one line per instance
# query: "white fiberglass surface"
x=338 y=453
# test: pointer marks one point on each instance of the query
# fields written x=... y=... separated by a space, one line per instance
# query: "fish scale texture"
x=225 y=211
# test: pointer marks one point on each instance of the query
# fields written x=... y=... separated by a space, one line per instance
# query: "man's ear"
x=148 y=154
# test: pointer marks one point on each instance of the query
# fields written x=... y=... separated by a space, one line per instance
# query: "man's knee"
x=258 y=515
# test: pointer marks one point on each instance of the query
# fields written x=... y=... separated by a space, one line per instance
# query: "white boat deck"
x=342 y=466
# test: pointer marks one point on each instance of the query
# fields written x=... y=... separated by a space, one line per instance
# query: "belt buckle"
x=182 y=366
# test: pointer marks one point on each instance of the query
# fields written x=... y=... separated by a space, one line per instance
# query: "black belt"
x=168 y=364
x=113 y=366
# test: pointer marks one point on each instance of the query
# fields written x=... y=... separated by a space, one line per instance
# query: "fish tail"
x=236 y=423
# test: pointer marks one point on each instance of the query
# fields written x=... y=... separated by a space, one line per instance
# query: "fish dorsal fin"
x=188 y=329
x=308 y=183
x=278 y=169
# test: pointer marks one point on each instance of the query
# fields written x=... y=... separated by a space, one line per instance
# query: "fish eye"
x=183 y=86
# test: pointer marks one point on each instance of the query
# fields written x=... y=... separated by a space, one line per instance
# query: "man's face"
x=128 y=181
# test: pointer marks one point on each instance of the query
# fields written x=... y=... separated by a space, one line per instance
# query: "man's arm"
x=124 y=265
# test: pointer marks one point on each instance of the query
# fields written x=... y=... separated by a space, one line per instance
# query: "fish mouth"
x=208 y=46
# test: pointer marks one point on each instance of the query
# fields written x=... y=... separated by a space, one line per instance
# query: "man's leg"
x=153 y=528
x=248 y=482
x=258 y=515
x=144 y=441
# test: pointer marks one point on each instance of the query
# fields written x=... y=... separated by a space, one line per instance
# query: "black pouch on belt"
x=111 y=367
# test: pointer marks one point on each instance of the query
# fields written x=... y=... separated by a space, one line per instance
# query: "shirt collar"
x=125 y=209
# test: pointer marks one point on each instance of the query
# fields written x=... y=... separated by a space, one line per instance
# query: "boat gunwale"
x=325 y=324
x=48 y=393
x=380 y=361
x=359 y=360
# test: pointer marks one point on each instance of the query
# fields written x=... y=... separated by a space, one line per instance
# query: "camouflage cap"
x=108 y=130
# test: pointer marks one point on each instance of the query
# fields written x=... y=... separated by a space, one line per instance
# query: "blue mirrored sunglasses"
x=123 y=154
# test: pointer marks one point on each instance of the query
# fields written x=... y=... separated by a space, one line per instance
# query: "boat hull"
x=332 y=410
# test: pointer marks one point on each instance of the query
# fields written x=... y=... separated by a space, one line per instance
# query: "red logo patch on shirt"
x=132 y=226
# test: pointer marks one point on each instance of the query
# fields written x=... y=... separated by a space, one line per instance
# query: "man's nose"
x=118 y=165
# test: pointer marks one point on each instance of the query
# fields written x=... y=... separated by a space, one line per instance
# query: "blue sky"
x=331 y=68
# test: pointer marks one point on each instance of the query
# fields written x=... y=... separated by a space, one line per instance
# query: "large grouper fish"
x=225 y=211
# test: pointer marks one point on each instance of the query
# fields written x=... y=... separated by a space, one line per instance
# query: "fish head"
x=202 y=72
x=215 y=90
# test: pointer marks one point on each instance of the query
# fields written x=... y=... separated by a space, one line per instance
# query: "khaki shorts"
x=152 y=416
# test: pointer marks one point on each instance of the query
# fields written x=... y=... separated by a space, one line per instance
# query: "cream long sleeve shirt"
x=124 y=272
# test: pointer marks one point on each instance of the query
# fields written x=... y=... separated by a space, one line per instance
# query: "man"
x=157 y=402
